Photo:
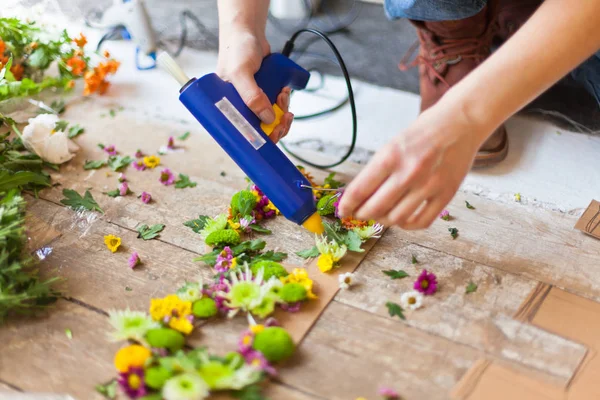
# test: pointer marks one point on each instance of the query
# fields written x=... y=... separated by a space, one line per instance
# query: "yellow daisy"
x=131 y=356
x=112 y=242
x=151 y=161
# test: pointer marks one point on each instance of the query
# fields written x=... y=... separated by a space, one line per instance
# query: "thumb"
x=254 y=97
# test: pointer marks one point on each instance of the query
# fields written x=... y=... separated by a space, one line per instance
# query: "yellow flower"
x=258 y=196
x=181 y=324
x=131 y=356
x=234 y=225
x=169 y=306
x=257 y=328
x=517 y=196
x=233 y=263
x=300 y=275
x=271 y=206
x=112 y=242
x=325 y=262
x=151 y=161
x=247 y=340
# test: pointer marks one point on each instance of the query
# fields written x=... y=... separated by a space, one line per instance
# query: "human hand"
x=410 y=180
x=240 y=55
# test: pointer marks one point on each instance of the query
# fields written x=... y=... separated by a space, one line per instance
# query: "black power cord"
x=287 y=50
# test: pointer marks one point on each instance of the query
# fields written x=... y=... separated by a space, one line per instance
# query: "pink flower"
x=134 y=388
x=389 y=394
x=138 y=165
x=445 y=215
x=171 y=143
x=426 y=283
x=146 y=197
x=166 y=177
x=134 y=260
x=292 y=307
x=245 y=342
x=336 y=204
x=224 y=260
x=122 y=177
x=139 y=154
x=110 y=149
x=123 y=189
x=256 y=359
x=245 y=224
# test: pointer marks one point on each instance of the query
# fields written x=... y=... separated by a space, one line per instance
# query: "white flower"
x=129 y=324
x=214 y=224
x=41 y=138
x=188 y=386
x=332 y=248
x=346 y=280
x=368 y=232
x=411 y=300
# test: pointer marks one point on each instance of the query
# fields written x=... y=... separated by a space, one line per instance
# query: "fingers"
x=384 y=199
x=254 y=97
x=283 y=99
x=283 y=128
x=427 y=214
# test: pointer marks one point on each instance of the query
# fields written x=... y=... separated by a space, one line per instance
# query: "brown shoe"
x=510 y=15
x=449 y=50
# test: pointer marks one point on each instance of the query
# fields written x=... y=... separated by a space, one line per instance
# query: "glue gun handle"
x=278 y=71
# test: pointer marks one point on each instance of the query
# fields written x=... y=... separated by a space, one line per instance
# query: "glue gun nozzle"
x=314 y=224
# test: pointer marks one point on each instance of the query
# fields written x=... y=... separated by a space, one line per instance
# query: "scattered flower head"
x=373 y=230
x=134 y=260
x=124 y=189
x=81 y=40
x=171 y=143
x=151 y=161
x=411 y=300
x=257 y=359
x=426 y=283
x=445 y=215
x=122 y=177
x=389 y=394
x=146 y=197
x=346 y=280
x=139 y=154
x=330 y=253
x=166 y=177
x=130 y=325
x=138 y=165
x=40 y=137
x=111 y=150
x=518 y=197
x=112 y=242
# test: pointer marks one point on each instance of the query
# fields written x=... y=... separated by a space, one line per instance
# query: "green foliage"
x=453 y=232
x=61 y=125
x=184 y=182
x=292 y=293
x=184 y=136
x=335 y=232
x=155 y=377
x=395 y=310
x=108 y=390
x=223 y=237
x=275 y=343
x=94 y=164
x=259 y=229
x=396 y=274
x=333 y=184
x=270 y=269
x=471 y=287
x=308 y=253
x=22 y=180
x=325 y=205
x=197 y=224
x=149 y=232
x=414 y=260
x=249 y=251
x=76 y=201
x=469 y=206
x=117 y=163
x=252 y=392
x=165 y=338
x=75 y=131
x=243 y=202
x=204 y=308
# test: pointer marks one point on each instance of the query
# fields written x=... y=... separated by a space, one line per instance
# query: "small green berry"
x=223 y=237
x=270 y=268
x=204 y=308
x=292 y=293
x=165 y=338
x=275 y=343
x=155 y=377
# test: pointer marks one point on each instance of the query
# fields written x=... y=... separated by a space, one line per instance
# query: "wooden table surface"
x=355 y=347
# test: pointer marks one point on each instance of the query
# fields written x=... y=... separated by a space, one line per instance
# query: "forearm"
x=249 y=15
x=558 y=37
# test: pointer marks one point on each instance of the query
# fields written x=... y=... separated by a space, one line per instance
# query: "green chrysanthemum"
x=275 y=343
x=191 y=291
x=204 y=308
x=165 y=338
x=214 y=224
x=216 y=374
x=325 y=206
x=130 y=325
x=223 y=237
x=293 y=293
x=188 y=386
x=155 y=377
x=270 y=268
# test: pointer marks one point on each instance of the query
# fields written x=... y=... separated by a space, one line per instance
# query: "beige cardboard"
x=590 y=220
x=557 y=311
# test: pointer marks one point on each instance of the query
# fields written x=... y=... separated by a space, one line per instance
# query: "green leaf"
x=75 y=131
x=112 y=113
x=21 y=179
x=108 y=390
x=249 y=246
x=333 y=184
x=471 y=287
x=69 y=334
x=269 y=256
x=469 y=206
x=94 y=164
x=76 y=201
x=395 y=310
x=308 y=253
x=453 y=232
x=39 y=58
x=395 y=274
x=116 y=163
x=252 y=392
x=149 y=232
x=114 y=193
x=414 y=260
x=353 y=241
x=128 y=289
x=184 y=182
x=332 y=232
x=61 y=125
x=184 y=136
x=259 y=229
x=197 y=224
x=58 y=106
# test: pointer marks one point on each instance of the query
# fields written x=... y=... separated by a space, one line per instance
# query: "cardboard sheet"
x=562 y=313
x=590 y=220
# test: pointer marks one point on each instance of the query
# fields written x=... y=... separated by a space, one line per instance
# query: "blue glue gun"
x=221 y=111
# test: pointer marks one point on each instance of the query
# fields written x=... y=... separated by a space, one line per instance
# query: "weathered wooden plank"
x=37 y=355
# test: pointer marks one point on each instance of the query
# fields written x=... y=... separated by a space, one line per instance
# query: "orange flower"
x=81 y=40
x=77 y=65
x=78 y=52
x=350 y=223
x=2 y=47
x=108 y=67
x=33 y=45
x=106 y=54
x=17 y=71
x=92 y=82
x=70 y=84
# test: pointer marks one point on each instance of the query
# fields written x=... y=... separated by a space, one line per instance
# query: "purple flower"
x=336 y=204
x=110 y=149
x=139 y=154
x=166 y=177
x=426 y=283
x=224 y=260
x=171 y=143
x=445 y=215
x=123 y=188
x=245 y=224
x=389 y=394
x=271 y=322
x=146 y=197
x=122 y=177
x=138 y=165
x=293 y=307
x=245 y=342
x=134 y=260
x=132 y=383
x=256 y=359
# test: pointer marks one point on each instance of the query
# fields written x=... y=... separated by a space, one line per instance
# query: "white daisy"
x=129 y=324
x=346 y=280
x=411 y=300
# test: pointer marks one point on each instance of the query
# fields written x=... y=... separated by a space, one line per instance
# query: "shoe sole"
x=492 y=157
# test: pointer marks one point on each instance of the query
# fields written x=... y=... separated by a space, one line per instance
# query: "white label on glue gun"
x=240 y=123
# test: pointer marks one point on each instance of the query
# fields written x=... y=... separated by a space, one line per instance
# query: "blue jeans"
x=588 y=73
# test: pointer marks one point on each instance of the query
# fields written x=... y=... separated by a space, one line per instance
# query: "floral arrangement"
x=27 y=53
